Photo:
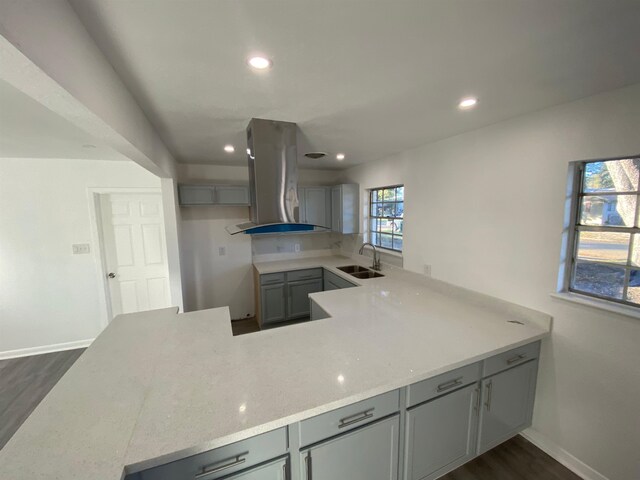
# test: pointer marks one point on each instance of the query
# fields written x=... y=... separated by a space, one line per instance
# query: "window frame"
x=371 y=217
x=573 y=229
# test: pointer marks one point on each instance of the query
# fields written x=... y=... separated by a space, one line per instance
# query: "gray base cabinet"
x=272 y=471
x=369 y=453
x=272 y=299
x=441 y=434
x=298 y=297
x=507 y=404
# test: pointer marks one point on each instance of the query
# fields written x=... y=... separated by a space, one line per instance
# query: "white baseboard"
x=561 y=455
x=58 y=347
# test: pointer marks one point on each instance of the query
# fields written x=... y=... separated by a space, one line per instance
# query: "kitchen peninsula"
x=158 y=387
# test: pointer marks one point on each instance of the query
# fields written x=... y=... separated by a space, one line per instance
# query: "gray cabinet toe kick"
x=419 y=432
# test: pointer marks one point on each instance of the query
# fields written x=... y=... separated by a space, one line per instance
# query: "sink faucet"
x=376 y=258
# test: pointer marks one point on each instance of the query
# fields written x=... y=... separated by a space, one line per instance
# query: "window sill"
x=386 y=251
x=598 y=304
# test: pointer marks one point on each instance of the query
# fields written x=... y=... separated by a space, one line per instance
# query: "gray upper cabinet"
x=298 y=297
x=507 y=404
x=368 y=453
x=315 y=205
x=345 y=208
x=232 y=195
x=190 y=195
x=272 y=300
x=196 y=194
x=441 y=434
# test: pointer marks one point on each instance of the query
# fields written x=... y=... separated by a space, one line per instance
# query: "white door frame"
x=97 y=240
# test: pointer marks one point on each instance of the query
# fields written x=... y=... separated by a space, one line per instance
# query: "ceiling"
x=366 y=78
x=30 y=130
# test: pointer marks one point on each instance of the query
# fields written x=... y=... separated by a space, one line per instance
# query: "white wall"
x=47 y=295
x=213 y=280
x=485 y=209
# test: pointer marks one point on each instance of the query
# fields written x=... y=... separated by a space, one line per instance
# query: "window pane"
x=599 y=279
x=400 y=193
x=612 y=175
x=389 y=210
x=389 y=194
x=397 y=243
x=373 y=225
x=633 y=292
x=603 y=246
x=376 y=196
x=377 y=210
x=386 y=225
x=635 y=251
x=375 y=238
x=397 y=226
x=400 y=209
x=608 y=210
x=385 y=241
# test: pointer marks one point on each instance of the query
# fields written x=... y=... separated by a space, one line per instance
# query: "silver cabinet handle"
x=307 y=464
x=358 y=417
x=228 y=463
x=489 y=392
x=447 y=385
x=476 y=406
x=517 y=358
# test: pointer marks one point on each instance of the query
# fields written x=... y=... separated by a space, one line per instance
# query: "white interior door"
x=135 y=251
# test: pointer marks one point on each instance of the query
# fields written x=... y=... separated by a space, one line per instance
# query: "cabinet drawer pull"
x=307 y=464
x=517 y=358
x=450 y=384
x=228 y=463
x=489 y=391
x=358 y=417
x=476 y=406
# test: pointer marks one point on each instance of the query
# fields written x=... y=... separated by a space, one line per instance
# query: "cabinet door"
x=196 y=194
x=336 y=209
x=441 y=434
x=369 y=453
x=507 y=404
x=272 y=298
x=232 y=195
x=317 y=206
x=298 y=297
x=271 y=471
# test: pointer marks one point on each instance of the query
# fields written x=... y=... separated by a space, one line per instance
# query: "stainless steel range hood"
x=273 y=179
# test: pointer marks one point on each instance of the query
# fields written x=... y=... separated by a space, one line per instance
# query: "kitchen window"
x=604 y=231
x=386 y=217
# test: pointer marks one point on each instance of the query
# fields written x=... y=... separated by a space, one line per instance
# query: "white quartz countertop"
x=158 y=386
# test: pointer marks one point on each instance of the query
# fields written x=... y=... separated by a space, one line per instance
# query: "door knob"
x=111 y=275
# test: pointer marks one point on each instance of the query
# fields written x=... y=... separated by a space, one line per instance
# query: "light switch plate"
x=222 y=251
x=80 y=248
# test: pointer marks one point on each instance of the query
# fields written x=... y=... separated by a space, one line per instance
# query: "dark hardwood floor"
x=24 y=382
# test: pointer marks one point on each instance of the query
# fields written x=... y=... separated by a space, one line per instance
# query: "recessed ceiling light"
x=229 y=148
x=468 y=102
x=340 y=156
x=259 y=63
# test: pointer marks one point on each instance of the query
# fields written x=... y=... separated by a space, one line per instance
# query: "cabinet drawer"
x=304 y=274
x=224 y=460
x=511 y=358
x=271 y=278
x=444 y=383
x=347 y=418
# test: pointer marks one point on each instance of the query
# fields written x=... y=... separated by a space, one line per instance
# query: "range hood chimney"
x=273 y=178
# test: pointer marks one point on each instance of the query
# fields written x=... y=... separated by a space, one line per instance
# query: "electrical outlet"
x=427 y=270
x=222 y=251
x=297 y=247
x=80 y=248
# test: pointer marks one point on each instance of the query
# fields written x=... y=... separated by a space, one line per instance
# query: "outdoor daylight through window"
x=606 y=243
x=386 y=217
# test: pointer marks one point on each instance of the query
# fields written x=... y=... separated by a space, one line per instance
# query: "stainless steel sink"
x=360 y=272
x=351 y=269
x=369 y=274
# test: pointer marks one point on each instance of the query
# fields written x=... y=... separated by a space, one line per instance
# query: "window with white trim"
x=386 y=217
x=604 y=250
